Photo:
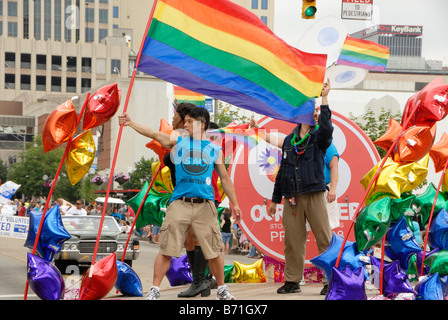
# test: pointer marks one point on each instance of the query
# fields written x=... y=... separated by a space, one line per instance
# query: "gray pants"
x=311 y=207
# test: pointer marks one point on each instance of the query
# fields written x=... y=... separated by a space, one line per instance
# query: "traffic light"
x=309 y=9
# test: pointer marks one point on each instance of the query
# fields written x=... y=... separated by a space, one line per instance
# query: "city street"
x=13 y=278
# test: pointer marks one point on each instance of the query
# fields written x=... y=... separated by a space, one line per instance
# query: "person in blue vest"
x=192 y=203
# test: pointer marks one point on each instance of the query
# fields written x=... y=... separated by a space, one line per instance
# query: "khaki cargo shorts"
x=180 y=216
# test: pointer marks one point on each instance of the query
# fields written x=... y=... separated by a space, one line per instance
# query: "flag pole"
x=120 y=131
x=50 y=194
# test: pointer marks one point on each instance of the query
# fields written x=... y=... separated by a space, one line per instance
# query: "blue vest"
x=194 y=161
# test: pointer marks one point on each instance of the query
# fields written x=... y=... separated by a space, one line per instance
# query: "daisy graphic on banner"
x=219 y=49
x=7 y=190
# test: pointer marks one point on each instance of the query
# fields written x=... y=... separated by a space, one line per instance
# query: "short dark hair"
x=201 y=114
x=183 y=107
x=213 y=125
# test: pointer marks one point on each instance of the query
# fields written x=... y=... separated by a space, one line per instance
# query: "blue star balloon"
x=44 y=279
x=400 y=240
x=179 y=272
x=52 y=236
x=429 y=288
x=395 y=280
x=347 y=285
x=350 y=256
x=128 y=282
x=439 y=230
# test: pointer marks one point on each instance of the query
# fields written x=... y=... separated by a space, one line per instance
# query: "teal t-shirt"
x=194 y=161
x=331 y=152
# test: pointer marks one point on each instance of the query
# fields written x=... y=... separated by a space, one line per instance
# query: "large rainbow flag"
x=221 y=50
x=364 y=54
x=185 y=95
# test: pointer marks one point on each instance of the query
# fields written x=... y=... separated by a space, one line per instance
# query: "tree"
x=375 y=124
x=225 y=115
x=141 y=174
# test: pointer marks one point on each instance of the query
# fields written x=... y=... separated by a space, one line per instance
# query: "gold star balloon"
x=390 y=181
x=80 y=156
x=249 y=273
x=415 y=173
x=439 y=153
x=163 y=181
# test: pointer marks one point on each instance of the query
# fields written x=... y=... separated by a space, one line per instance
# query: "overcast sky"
x=431 y=14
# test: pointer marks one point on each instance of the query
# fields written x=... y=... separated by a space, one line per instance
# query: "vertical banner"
x=253 y=173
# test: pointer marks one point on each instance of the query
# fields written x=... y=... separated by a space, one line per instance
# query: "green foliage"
x=224 y=115
x=141 y=174
x=375 y=125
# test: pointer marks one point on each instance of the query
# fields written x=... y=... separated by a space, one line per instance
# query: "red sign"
x=253 y=173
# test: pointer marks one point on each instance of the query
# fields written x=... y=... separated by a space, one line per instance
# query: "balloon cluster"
x=393 y=220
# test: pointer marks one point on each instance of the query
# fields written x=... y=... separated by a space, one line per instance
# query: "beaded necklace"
x=299 y=147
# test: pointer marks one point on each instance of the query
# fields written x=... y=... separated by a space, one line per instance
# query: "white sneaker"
x=224 y=294
x=154 y=294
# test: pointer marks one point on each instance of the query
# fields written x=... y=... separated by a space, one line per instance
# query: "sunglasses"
x=78 y=203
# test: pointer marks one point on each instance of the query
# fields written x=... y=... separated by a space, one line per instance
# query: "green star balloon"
x=372 y=223
x=438 y=262
x=402 y=207
x=153 y=211
x=424 y=202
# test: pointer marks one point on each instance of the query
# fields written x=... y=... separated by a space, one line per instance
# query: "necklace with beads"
x=300 y=146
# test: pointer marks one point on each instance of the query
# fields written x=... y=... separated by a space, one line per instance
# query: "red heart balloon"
x=102 y=280
x=439 y=153
x=392 y=132
x=60 y=126
x=414 y=143
x=102 y=106
x=156 y=146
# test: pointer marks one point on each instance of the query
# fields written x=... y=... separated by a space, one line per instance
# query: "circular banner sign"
x=253 y=173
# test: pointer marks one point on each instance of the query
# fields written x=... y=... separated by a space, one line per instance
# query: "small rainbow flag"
x=250 y=137
x=220 y=49
x=185 y=95
x=364 y=54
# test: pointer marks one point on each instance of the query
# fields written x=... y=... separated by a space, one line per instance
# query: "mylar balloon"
x=400 y=240
x=439 y=230
x=154 y=208
x=102 y=106
x=433 y=103
x=390 y=180
x=400 y=207
x=424 y=202
x=414 y=143
x=346 y=285
x=96 y=283
x=408 y=110
x=372 y=223
x=44 y=279
x=154 y=145
x=439 y=153
x=327 y=260
x=388 y=138
x=60 y=126
x=394 y=277
x=248 y=273
x=52 y=235
x=179 y=272
x=128 y=282
x=415 y=172
x=80 y=156
x=429 y=288
x=163 y=182
x=438 y=262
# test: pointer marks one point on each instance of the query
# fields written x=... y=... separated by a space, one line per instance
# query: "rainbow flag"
x=250 y=137
x=221 y=50
x=185 y=95
x=364 y=54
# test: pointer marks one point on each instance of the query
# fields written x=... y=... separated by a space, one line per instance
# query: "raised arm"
x=274 y=140
x=164 y=139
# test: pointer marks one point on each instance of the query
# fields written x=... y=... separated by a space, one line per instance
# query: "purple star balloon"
x=347 y=285
x=395 y=280
x=44 y=279
x=179 y=272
